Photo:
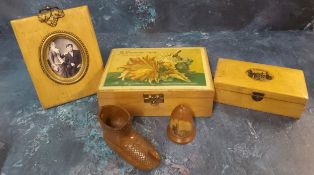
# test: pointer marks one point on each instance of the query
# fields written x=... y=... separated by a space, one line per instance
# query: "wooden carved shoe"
x=181 y=127
x=127 y=143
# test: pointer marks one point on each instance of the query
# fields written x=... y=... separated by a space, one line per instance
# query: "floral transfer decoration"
x=149 y=70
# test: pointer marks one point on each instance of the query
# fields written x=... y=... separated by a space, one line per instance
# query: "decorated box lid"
x=167 y=69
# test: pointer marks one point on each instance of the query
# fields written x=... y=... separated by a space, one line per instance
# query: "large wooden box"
x=153 y=81
x=261 y=87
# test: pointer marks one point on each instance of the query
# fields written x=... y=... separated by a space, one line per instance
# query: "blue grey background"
x=68 y=139
x=129 y=16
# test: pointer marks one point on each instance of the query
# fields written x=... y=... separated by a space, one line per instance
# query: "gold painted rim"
x=48 y=70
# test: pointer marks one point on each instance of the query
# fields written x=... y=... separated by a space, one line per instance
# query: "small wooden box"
x=261 y=87
x=153 y=81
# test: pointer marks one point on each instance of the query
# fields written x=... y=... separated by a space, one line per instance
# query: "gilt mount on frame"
x=61 y=54
x=56 y=60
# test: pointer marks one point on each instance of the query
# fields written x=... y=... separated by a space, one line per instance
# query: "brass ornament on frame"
x=50 y=15
x=48 y=70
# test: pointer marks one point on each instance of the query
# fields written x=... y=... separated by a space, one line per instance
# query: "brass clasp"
x=257 y=96
x=153 y=99
x=50 y=15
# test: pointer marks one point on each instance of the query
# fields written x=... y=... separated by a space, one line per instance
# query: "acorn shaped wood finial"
x=181 y=128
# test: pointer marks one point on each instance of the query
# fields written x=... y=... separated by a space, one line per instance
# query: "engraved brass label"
x=153 y=99
x=259 y=74
x=50 y=15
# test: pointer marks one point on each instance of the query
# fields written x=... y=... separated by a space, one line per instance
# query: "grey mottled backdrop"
x=130 y=16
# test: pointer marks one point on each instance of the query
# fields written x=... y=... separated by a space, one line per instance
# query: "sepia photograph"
x=64 y=57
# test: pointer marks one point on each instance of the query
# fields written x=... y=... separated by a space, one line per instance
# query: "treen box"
x=153 y=81
x=267 y=88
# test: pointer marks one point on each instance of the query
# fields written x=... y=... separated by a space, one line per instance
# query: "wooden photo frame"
x=61 y=55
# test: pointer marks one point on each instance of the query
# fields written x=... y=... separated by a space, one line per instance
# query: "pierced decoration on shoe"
x=126 y=142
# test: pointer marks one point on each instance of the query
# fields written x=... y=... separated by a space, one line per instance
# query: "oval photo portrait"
x=63 y=57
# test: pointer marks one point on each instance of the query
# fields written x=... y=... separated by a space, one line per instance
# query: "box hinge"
x=153 y=99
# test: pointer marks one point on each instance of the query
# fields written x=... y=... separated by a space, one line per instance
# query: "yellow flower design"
x=152 y=70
